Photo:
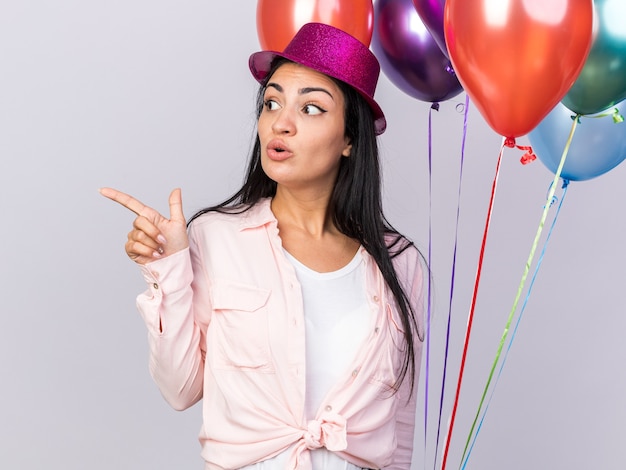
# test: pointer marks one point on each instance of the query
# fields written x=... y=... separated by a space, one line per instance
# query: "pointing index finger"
x=124 y=199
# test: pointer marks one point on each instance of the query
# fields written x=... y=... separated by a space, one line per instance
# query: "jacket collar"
x=258 y=215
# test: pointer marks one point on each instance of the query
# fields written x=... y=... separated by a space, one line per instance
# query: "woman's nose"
x=284 y=123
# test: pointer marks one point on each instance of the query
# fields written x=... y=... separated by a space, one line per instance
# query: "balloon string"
x=456 y=233
x=519 y=318
x=435 y=106
x=470 y=318
x=523 y=280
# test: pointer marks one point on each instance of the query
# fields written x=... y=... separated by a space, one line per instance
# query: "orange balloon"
x=516 y=59
x=277 y=21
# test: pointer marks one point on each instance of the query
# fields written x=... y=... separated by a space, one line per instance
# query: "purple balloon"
x=408 y=54
x=431 y=13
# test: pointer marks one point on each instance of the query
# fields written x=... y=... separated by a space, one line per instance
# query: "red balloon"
x=277 y=21
x=516 y=59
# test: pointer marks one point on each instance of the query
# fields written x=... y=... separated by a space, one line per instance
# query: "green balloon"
x=602 y=81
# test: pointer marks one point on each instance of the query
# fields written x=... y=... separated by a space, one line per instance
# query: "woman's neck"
x=308 y=213
x=308 y=233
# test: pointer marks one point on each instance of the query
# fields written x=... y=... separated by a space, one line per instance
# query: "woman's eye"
x=270 y=105
x=313 y=109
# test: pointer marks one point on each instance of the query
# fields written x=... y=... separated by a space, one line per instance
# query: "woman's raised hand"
x=153 y=236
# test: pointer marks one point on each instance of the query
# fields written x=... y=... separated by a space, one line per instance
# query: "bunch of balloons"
x=527 y=65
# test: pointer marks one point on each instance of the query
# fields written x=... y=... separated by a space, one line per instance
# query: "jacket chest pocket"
x=238 y=335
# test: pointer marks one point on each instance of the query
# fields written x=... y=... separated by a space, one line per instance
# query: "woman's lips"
x=278 y=151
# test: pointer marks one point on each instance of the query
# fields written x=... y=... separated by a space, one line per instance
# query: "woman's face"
x=302 y=129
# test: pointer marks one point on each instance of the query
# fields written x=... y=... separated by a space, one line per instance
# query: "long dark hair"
x=355 y=204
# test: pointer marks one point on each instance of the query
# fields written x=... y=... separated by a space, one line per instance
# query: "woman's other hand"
x=153 y=236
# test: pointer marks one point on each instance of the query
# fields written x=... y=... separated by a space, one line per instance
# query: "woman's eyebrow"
x=274 y=85
x=301 y=91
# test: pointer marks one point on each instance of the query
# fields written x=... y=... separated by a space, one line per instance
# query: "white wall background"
x=149 y=95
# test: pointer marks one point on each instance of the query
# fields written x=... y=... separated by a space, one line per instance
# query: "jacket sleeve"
x=176 y=309
x=409 y=271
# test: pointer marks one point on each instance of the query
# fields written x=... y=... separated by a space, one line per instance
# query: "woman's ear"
x=347 y=149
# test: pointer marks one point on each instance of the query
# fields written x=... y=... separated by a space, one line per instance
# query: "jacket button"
x=376 y=298
x=328 y=408
x=155 y=285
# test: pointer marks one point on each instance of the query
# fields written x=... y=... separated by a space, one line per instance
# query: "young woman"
x=293 y=309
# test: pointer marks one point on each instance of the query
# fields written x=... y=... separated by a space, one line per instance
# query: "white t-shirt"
x=337 y=319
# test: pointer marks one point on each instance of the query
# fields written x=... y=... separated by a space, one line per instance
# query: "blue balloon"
x=598 y=145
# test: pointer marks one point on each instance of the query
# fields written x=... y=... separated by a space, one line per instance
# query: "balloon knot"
x=617 y=117
x=565 y=183
x=576 y=118
x=528 y=157
x=435 y=106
